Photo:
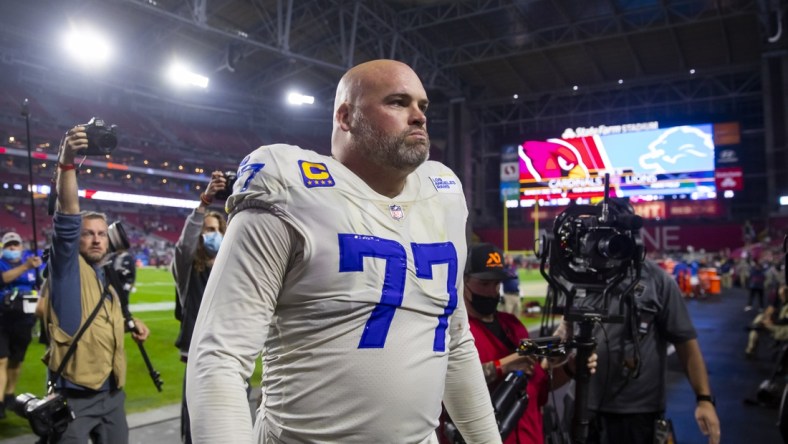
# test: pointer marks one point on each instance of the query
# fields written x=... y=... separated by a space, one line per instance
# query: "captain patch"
x=315 y=174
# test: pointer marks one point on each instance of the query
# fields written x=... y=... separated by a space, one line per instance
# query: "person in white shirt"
x=343 y=272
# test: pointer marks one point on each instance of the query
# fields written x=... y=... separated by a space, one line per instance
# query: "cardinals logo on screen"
x=554 y=159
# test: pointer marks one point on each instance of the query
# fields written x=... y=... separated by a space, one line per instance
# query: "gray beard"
x=392 y=151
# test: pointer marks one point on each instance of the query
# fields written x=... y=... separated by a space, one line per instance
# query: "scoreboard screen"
x=676 y=162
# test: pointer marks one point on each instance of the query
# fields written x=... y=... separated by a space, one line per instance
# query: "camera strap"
x=73 y=347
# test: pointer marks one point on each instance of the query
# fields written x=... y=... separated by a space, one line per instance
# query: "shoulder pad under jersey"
x=440 y=179
x=268 y=172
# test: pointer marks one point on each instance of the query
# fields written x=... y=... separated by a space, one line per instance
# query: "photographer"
x=497 y=335
x=93 y=377
x=195 y=252
x=627 y=396
x=18 y=270
x=773 y=321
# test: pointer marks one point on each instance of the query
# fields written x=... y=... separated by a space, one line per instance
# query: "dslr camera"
x=47 y=416
x=230 y=177
x=102 y=138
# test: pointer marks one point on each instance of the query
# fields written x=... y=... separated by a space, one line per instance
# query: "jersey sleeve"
x=467 y=398
x=232 y=324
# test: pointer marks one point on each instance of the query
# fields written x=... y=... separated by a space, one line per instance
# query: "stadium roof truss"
x=484 y=51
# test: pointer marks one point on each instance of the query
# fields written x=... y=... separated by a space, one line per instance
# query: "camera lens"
x=118 y=240
x=107 y=142
x=616 y=246
x=20 y=405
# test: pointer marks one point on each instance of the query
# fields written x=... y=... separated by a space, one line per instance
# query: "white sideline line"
x=154 y=306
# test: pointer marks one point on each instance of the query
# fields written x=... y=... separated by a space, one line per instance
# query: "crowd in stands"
x=152 y=231
x=161 y=144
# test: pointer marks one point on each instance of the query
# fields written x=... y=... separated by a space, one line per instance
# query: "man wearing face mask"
x=497 y=335
x=195 y=251
x=18 y=270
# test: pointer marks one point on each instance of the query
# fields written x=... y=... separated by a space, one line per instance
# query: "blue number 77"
x=354 y=248
x=246 y=166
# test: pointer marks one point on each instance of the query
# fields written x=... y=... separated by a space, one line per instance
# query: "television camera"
x=586 y=257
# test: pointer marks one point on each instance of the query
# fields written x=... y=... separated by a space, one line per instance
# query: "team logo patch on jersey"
x=315 y=174
x=396 y=211
x=446 y=184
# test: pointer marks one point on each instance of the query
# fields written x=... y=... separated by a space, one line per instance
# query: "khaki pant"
x=726 y=280
x=752 y=338
x=511 y=304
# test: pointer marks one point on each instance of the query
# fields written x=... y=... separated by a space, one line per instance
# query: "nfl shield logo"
x=396 y=212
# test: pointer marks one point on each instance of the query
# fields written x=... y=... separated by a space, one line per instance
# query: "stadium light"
x=295 y=98
x=87 y=46
x=182 y=76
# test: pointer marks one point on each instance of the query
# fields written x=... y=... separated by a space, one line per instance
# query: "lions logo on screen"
x=676 y=149
x=315 y=174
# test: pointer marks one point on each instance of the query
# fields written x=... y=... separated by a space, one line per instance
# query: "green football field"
x=153 y=286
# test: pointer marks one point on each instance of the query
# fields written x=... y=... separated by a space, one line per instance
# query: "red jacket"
x=529 y=429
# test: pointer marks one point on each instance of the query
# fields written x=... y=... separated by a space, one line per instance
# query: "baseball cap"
x=485 y=261
x=11 y=237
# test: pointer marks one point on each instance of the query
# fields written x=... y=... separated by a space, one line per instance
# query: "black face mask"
x=485 y=305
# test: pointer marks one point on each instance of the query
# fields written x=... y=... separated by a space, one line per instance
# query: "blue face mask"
x=212 y=241
x=12 y=255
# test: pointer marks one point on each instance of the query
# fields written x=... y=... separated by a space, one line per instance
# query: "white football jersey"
x=357 y=349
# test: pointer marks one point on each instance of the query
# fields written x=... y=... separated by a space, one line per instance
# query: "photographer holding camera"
x=83 y=307
x=497 y=336
x=17 y=298
x=195 y=252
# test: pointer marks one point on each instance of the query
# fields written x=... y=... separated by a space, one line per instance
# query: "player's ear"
x=342 y=116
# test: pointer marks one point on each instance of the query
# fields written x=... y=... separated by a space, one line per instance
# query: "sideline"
x=153 y=306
